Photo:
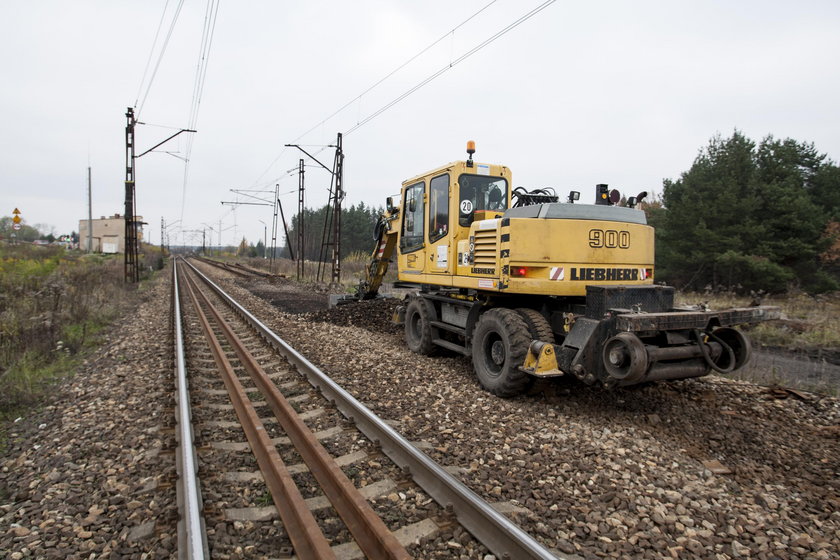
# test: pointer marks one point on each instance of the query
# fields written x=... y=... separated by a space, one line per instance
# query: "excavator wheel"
x=538 y=326
x=500 y=343
x=419 y=332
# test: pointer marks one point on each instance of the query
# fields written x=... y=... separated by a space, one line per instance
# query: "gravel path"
x=90 y=474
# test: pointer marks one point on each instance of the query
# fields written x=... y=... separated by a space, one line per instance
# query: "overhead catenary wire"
x=371 y=88
x=210 y=18
x=151 y=53
x=208 y=31
x=436 y=74
x=452 y=64
x=160 y=56
x=395 y=70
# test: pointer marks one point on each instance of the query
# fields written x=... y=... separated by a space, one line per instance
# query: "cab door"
x=412 y=255
x=440 y=250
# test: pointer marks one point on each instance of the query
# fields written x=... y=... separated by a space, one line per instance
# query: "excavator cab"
x=436 y=212
x=480 y=196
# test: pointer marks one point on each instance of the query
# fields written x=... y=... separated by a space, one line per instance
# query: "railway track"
x=235 y=268
x=360 y=489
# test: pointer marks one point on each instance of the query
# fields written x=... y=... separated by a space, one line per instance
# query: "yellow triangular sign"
x=16 y=211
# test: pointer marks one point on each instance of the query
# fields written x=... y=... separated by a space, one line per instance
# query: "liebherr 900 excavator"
x=532 y=287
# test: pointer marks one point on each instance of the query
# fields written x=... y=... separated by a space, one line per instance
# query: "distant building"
x=108 y=234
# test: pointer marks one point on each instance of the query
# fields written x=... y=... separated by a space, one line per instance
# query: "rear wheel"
x=419 y=332
x=500 y=343
x=538 y=326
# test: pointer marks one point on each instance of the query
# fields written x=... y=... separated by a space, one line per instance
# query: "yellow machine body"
x=542 y=289
x=451 y=238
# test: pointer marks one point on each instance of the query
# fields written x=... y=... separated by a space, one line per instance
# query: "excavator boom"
x=386 y=240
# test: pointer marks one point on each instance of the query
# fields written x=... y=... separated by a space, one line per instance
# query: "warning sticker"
x=486 y=283
x=442 y=256
x=557 y=273
x=482 y=169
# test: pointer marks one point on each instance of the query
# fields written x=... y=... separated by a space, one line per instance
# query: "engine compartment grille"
x=486 y=247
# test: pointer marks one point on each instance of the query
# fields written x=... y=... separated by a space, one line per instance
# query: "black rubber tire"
x=419 y=332
x=500 y=343
x=538 y=326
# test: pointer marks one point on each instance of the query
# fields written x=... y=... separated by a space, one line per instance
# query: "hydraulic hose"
x=708 y=358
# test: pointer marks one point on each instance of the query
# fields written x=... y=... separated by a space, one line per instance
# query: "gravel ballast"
x=90 y=474
x=703 y=468
x=706 y=468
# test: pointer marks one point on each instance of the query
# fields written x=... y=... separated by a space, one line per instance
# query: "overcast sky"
x=616 y=92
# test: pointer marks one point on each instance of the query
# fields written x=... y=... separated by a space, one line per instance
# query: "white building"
x=108 y=234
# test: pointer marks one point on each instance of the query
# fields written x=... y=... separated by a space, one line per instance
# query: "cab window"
x=412 y=226
x=480 y=192
x=438 y=207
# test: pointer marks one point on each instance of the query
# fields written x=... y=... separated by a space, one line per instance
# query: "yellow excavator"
x=529 y=286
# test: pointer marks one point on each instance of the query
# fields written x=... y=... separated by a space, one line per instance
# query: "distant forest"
x=357 y=224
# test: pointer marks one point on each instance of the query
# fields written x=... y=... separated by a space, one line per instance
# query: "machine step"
x=451 y=346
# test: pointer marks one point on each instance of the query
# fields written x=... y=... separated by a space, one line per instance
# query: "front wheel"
x=500 y=343
x=419 y=332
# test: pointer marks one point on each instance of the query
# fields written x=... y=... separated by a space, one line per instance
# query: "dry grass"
x=52 y=305
x=808 y=322
x=800 y=351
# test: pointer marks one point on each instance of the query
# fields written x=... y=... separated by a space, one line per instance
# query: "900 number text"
x=609 y=239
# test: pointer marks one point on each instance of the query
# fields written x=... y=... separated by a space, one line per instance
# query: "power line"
x=377 y=83
x=395 y=70
x=151 y=52
x=450 y=65
x=438 y=73
x=162 y=52
x=210 y=18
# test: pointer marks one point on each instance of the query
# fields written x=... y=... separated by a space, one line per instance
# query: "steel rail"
x=371 y=534
x=301 y=527
x=503 y=537
x=252 y=271
x=224 y=266
x=192 y=538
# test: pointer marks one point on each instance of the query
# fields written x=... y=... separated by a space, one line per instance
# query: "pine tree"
x=745 y=216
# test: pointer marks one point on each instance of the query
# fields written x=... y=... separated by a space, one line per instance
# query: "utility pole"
x=132 y=271
x=332 y=222
x=162 y=231
x=285 y=229
x=265 y=238
x=132 y=267
x=90 y=215
x=274 y=228
x=300 y=234
x=339 y=196
x=263 y=202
